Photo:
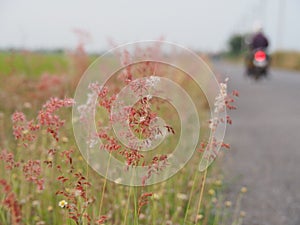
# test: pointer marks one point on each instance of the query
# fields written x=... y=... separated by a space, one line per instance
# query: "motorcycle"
x=258 y=63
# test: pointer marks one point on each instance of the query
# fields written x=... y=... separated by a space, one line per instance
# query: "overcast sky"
x=199 y=24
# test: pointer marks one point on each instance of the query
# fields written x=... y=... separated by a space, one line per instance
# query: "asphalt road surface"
x=265 y=140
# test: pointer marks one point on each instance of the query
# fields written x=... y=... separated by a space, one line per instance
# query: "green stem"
x=127 y=207
x=190 y=198
x=104 y=185
x=237 y=209
x=136 y=216
x=201 y=195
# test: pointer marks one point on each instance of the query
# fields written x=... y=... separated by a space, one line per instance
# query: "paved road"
x=265 y=141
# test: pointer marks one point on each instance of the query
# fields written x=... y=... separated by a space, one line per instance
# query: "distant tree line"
x=237 y=44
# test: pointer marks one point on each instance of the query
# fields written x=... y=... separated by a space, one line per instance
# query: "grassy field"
x=32 y=64
x=44 y=179
x=286 y=60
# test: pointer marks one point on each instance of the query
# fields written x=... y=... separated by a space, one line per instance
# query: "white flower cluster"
x=86 y=110
x=152 y=81
x=220 y=99
x=219 y=105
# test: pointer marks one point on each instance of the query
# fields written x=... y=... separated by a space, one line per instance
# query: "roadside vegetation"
x=286 y=60
x=45 y=180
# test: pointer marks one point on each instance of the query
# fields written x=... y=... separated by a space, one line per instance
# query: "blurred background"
x=41 y=40
x=214 y=27
x=200 y=25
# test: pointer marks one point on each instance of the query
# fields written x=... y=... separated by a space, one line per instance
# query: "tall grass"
x=44 y=179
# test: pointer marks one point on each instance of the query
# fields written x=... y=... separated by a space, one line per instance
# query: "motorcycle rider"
x=259 y=40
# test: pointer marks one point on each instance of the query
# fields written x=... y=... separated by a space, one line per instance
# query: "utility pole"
x=280 y=24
